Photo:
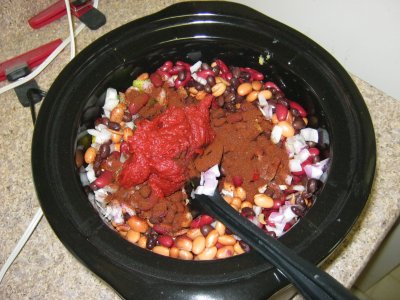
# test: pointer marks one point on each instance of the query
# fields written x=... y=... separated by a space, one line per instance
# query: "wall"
x=364 y=36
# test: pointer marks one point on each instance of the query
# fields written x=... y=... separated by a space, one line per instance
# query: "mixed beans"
x=275 y=205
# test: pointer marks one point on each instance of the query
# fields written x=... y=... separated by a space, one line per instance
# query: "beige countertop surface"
x=45 y=269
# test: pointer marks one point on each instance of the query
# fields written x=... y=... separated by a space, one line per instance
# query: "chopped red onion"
x=208 y=181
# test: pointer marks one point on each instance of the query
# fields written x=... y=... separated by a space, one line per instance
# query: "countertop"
x=45 y=269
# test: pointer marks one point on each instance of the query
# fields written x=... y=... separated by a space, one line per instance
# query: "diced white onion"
x=195 y=67
x=111 y=100
x=309 y=134
x=295 y=165
x=276 y=134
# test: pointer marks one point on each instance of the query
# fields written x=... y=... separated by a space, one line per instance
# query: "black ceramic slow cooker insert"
x=193 y=31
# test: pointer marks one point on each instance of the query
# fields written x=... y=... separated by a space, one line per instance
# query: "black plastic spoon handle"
x=312 y=282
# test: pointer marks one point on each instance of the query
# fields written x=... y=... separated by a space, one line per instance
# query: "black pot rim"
x=83 y=233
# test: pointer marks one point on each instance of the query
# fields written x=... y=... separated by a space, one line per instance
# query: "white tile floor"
x=388 y=288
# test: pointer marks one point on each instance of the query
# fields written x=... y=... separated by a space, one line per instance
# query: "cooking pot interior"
x=240 y=37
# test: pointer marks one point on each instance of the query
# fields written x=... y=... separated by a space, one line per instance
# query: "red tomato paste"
x=162 y=148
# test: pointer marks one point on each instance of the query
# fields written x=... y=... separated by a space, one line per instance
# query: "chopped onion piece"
x=208 y=181
x=298 y=188
x=262 y=189
x=111 y=100
x=276 y=134
x=295 y=165
x=309 y=134
x=195 y=67
x=199 y=79
x=257 y=210
x=90 y=173
x=313 y=172
x=282 y=187
x=288 y=179
x=262 y=101
x=295 y=144
x=303 y=155
x=276 y=217
x=288 y=213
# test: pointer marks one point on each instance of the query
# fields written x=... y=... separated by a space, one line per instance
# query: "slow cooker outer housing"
x=194 y=31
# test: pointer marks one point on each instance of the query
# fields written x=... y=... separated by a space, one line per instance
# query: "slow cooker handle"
x=312 y=282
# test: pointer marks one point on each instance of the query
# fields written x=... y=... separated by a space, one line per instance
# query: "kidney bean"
x=201 y=221
x=166 y=66
x=270 y=85
x=237 y=180
x=277 y=204
x=165 y=240
x=163 y=75
x=156 y=79
x=99 y=121
x=281 y=112
x=139 y=101
x=199 y=244
x=104 y=179
x=222 y=66
x=178 y=83
x=254 y=75
x=297 y=106
x=182 y=63
x=175 y=70
x=313 y=151
x=205 y=73
x=212 y=238
x=198 y=86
